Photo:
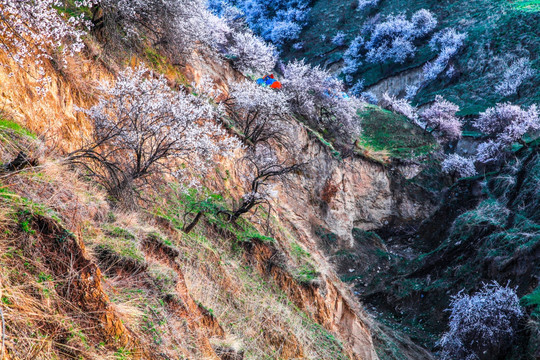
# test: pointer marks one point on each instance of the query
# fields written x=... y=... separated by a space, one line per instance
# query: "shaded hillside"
x=497 y=32
x=482 y=231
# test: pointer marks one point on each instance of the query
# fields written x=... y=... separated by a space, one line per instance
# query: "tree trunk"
x=242 y=210
x=194 y=223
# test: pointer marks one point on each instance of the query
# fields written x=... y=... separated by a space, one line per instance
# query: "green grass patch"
x=533 y=300
x=13 y=126
x=391 y=133
x=527 y=5
x=119 y=232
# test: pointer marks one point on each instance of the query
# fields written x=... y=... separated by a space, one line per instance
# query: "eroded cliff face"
x=55 y=118
x=52 y=114
x=336 y=195
x=396 y=85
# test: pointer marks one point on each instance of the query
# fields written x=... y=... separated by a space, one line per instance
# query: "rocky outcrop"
x=339 y=195
x=396 y=85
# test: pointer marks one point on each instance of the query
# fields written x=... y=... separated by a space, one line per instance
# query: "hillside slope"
x=158 y=201
x=498 y=32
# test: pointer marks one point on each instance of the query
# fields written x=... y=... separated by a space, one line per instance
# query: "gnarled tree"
x=440 y=118
x=261 y=169
x=259 y=113
x=143 y=128
x=319 y=98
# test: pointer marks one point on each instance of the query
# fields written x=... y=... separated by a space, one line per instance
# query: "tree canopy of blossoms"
x=504 y=124
x=180 y=26
x=393 y=39
x=458 y=166
x=400 y=106
x=277 y=21
x=142 y=127
x=251 y=53
x=177 y=26
x=441 y=118
x=339 y=38
x=319 y=97
x=259 y=112
x=29 y=30
x=364 y=4
x=482 y=326
x=519 y=71
x=447 y=42
x=353 y=55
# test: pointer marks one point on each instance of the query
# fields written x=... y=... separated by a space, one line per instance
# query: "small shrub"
x=458 y=166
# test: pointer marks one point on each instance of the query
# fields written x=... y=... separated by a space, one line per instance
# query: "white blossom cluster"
x=389 y=40
x=400 y=106
x=358 y=88
x=30 y=30
x=519 y=71
x=455 y=164
x=352 y=57
x=482 y=324
x=441 y=118
x=179 y=26
x=447 y=42
x=141 y=125
x=319 y=97
x=504 y=124
x=339 y=38
x=393 y=39
x=259 y=112
x=277 y=21
x=251 y=53
x=250 y=97
x=229 y=35
x=364 y=4
x=369 y=97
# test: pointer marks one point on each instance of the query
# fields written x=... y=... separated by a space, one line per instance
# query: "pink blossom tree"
x=440 y=118
x=319 y=98
x=260 y=113
x=504 y=125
